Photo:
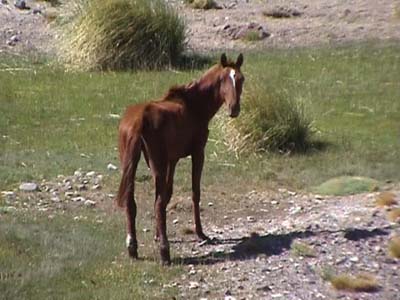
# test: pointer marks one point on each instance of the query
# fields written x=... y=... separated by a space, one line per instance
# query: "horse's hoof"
x=133 y=253
x=203 y=237
x=165 y=257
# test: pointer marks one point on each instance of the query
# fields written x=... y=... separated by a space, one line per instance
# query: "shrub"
x=120 y=34
x=359 y=283
x=394 y=215
x=386 y=199
x=270 y=122
x=202 y=4
x=394 y=247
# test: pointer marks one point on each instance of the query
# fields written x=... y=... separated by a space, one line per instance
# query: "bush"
x=120 y=34
x=270 y=122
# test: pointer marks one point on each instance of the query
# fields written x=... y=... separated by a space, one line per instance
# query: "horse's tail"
x=129 y=162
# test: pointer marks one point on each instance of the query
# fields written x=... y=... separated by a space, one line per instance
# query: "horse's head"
x=231 y=84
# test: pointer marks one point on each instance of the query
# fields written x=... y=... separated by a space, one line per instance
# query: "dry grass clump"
x=394 y=215
x=120 y=34
x=303 y=249
x=269 y=122
x=386 y=199
x=203 y=4
x=359 y=283
x=394 y=247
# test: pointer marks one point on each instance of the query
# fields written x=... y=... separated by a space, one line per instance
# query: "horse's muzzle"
x=234 y=111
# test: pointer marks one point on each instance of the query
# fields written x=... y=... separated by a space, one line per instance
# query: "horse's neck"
x=203 y=99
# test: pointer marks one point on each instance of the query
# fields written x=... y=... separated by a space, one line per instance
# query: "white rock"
x=28 y=187
x=175 y=221
x=354 y=259
x=193 y=285
x=90 y=203
x=114 y=116
x=78 y=199
x=251 y=219
x=78 y=173
x=90 y=174
x=210 y=204
x=8 y=194
x=55 y=199
x=111 y=167
x=274 y=202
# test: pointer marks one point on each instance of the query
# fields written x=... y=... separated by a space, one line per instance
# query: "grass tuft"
x=394 y=215
x=386 y=199
x=303 y=249
x=359 y=283
x=120 y=34
x=270 y=122
x=394 y=247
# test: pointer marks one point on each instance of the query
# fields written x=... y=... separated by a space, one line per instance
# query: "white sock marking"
x=232 y=76
x=128 y=240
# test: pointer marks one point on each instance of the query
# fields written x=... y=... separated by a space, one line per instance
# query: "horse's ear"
x=224 y=60
x=239 y=61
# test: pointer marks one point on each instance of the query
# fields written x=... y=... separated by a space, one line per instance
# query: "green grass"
x=63 y=258
x=53 y=122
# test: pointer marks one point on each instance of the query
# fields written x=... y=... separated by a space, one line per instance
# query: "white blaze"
x=232 y=76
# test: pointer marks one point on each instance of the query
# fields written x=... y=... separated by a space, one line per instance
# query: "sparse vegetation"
x=252 y=36
x=394 y=247
x=120 y=34
x=202 y=4
x=302 y=249
x=386 y=199
x=359 y=283
x=394 y=215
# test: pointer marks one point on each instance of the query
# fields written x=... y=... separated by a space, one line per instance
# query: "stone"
x=193 y=285
x=21 y=4
x=251 y=219
x=28 y=187
x=90 y=203
x=8 y=194
x=90 y=174
x=111 y=167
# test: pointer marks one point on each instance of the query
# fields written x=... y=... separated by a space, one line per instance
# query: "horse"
x=166 y=130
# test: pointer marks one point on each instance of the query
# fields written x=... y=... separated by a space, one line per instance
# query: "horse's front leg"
x=197 y=168
x=161 y=215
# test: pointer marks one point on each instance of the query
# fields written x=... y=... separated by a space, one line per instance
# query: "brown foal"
x=168 y=129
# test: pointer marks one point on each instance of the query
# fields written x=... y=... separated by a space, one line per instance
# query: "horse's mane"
x=181 y=92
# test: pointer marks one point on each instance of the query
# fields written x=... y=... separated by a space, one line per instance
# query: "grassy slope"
x=352 y=93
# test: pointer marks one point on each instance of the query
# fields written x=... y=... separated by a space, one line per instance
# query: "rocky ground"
x=275 y=23
x=267 y=245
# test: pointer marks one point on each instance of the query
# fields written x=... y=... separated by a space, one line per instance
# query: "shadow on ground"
x=271 y=244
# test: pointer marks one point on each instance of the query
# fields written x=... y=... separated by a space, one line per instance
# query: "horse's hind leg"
x=131 y=211
x=161 y=202
x=131 y=241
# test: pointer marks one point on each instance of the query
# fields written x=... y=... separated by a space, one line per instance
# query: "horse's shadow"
x=269 y=245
